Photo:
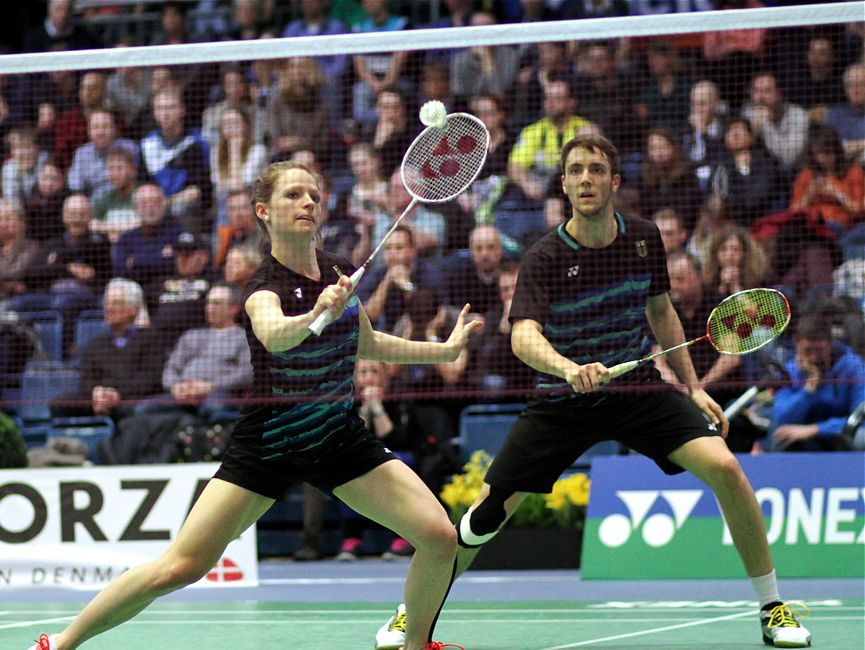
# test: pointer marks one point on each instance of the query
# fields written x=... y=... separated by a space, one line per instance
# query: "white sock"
x=766 y=588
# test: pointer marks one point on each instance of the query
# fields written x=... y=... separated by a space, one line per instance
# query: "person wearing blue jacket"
x=827 y=383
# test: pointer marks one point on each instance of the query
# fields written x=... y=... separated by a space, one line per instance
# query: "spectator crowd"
x=129 y=190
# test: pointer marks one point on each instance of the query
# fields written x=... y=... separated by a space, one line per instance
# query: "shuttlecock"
x=434 y=113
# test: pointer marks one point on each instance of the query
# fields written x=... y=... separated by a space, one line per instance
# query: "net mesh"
x=131 y=169
x=748 y=320
x=441 y=163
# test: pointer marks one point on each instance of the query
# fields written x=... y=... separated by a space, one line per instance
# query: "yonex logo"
x=657 y=529
x=572 y=271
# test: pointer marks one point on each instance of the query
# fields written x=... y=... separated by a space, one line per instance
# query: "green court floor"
x=535 y=625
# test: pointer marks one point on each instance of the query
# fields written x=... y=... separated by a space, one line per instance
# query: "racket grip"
x=620 y=369
x=325 y=318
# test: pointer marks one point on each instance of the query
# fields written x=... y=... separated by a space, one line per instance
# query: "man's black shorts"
x=549 y=436
x=354 y=455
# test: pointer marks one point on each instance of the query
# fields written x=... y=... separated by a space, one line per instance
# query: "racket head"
x=747 y=320
x=442 y=162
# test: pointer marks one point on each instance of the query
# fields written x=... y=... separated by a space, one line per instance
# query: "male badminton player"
x=583 y=298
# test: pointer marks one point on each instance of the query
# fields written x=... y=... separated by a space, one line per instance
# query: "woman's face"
x=369 y=373
x=237 y=268
x=363 y=165
x=826 y=160
x=660 y=149
x=232 y=125
x=294 y=208
x=731 y=253
x=738 y=138
x=489 y=113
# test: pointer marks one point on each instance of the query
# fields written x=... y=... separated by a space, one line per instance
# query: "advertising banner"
x=81 y=527
x=643 y=524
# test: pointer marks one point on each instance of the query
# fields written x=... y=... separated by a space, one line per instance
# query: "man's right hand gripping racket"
x=438 y=166
x=740 y=324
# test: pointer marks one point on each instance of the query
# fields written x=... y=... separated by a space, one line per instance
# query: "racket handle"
x=325 y=318
x=621 y=368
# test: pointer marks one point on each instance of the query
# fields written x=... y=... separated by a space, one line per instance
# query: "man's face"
x=820 y=53
x=814 y=352
x=50 y=180
x=588 y=182
x=398 y=197
x=168 y=111
x=150 y=204
x=597 y=62
x=77 y=214
x=764 y=91
x=685 y=284
x=11 y=224
x=234 y=86
x=121 y=173
x=190 y=262
x=240 y=213
x=704 y=99
x=507 y=286
x=486 y=249
x=91 y=92
x=854 y=86
x=101 y=131
x=117 y=310
x=672 y=233
x=557 y=102
x=398 y=250
x=218 y=309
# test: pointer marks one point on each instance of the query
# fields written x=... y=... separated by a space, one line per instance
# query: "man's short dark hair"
x=814 y=327
x=593 y=143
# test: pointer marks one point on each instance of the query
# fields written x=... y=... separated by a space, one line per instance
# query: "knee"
x=173 y=573
x=440 y=538
x=725 y=471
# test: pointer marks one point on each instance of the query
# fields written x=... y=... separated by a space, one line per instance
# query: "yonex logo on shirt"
x=298 y=293
x=572 y=271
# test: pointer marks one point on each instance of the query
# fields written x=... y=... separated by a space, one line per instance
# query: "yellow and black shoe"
x=391 y=635
x=780 y=627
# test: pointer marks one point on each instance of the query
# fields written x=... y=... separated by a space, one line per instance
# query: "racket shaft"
x=325 y=318
x=620 y=369
x=408 y=209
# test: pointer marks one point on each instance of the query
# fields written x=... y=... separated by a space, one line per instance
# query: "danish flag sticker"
x=225 y=571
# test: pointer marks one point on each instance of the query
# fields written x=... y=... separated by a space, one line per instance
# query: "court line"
x=44 y=621
x=654 y=630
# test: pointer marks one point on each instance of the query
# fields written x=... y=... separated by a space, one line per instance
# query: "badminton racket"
x=438 y=166
x=740 y=324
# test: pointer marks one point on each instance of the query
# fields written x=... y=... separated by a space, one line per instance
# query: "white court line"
x=44 y=621
x=653 y=630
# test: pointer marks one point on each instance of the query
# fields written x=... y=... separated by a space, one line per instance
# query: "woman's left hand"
x=459 y=338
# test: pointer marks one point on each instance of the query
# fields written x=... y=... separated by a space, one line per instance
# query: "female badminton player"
x=309 y=435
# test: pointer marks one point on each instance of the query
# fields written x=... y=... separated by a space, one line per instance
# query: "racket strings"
x=441 y=163
x=748 y=320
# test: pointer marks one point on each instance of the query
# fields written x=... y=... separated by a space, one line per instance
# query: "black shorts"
x=549 y=436
x=356 y=453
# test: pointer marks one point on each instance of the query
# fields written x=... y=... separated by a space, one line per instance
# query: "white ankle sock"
x=766 y=588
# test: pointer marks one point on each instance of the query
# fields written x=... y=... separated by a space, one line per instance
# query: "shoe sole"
x=786 y=644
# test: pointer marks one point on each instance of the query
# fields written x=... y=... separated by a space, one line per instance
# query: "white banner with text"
x=81 y=527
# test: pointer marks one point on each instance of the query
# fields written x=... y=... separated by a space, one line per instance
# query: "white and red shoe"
x=45 y=642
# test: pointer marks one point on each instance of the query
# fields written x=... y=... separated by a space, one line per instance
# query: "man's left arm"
x=668 y=331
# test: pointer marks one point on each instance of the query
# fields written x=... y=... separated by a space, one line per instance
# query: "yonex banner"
x=81 y=527
x=643 y=524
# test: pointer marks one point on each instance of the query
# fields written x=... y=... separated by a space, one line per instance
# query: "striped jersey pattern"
x=591 y=302
x=308 y=389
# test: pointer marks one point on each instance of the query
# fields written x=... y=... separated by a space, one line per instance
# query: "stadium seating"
x=41 y=382
x=88 y=325
x=49 y=326
x=92 y=431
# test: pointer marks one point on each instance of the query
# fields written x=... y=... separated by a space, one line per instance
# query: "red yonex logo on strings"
x=225 y=571
x=443 y=161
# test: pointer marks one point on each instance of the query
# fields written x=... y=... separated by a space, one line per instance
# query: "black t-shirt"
x=591 y=302
x=311 y=386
